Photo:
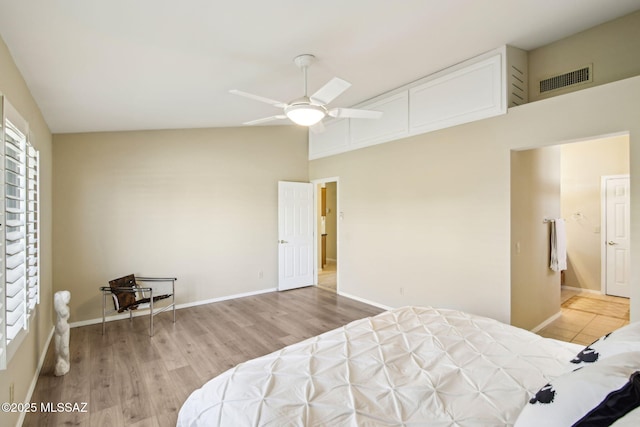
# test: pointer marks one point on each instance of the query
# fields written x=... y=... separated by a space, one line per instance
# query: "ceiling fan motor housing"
x=304 y=60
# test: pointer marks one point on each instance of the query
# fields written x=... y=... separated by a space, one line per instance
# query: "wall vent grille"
x=583 y=75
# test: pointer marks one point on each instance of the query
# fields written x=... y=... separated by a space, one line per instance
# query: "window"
x=19 y=232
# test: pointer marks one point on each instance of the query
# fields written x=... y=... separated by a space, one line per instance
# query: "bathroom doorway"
x=561 y=181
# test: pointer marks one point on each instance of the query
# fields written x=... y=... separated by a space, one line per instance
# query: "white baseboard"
x=546 y=322
x=178 y=307
x=34 y=381
x=588 y=291
x=225 y=298
x=366 y=301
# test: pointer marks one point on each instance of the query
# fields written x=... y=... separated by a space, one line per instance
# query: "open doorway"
x=327 y=234
x=564 y=181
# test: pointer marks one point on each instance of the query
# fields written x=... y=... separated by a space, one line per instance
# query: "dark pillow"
x=126 y=299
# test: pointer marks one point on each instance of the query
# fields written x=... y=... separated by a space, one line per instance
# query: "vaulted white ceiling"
x=95 y=65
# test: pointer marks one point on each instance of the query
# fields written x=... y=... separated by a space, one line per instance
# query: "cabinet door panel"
x=471 y=93
x=393 y=124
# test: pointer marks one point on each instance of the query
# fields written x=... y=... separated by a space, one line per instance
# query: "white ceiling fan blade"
x=330 y=91
x=258 y=98
x=354 y=113
x=265 y=120
x=317 y=128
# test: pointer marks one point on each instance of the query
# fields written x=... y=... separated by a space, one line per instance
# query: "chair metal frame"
x=108 y=290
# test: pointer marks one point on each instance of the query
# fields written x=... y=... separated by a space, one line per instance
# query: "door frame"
x=316 y=243
x=603 y=228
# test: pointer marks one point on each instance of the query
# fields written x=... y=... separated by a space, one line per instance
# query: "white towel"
x=558 y=245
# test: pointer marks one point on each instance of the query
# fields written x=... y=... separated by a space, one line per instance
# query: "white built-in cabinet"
x=392 y=125
x=476 y=89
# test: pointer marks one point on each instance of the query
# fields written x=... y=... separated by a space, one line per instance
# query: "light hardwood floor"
x=130 y=379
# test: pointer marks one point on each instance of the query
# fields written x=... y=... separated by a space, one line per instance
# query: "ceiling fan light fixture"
x=305 y=114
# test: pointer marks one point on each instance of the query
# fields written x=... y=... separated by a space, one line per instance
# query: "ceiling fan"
x=310 y=110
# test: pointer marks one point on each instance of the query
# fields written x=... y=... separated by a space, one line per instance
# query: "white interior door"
x=295 y=230
x=616 y=238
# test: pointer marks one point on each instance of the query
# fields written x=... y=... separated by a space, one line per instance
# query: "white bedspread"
x=409 y=366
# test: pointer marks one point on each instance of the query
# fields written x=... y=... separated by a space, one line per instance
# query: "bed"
x=409 y=366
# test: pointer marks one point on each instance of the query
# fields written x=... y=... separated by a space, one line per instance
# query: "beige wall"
x=583 y=164
x=535 y=196
x=424 y=219
x=434 y=209
x=612 y=48
x=200 y=205
x=23 y=367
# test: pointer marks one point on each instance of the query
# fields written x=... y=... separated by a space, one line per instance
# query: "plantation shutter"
x=15 y=230
x=19 y=230
x=3 y=319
